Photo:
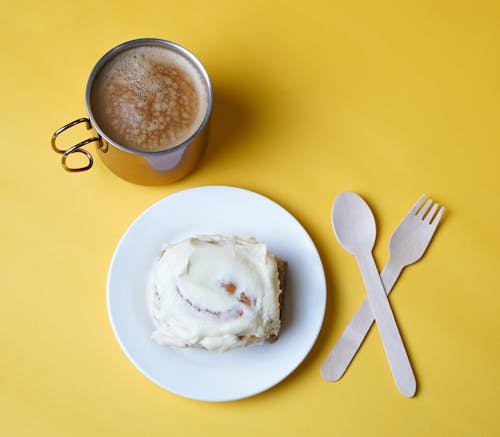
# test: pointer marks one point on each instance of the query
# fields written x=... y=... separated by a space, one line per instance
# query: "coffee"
x=149 y=98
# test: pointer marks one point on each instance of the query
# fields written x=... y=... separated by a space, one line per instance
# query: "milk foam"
x=149 y=98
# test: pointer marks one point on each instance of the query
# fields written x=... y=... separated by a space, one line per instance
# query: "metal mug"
x=147 y=168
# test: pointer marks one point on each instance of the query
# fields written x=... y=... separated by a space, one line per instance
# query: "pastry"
x=217 y=293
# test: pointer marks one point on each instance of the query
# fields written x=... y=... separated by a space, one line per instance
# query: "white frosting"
x=214 y=291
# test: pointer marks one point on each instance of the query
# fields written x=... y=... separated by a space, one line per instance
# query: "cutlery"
x=407 y=245
x=354 y=227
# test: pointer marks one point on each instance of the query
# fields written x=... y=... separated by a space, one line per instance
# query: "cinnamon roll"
x=217 y=293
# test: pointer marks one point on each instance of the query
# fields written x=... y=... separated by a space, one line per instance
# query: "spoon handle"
x=354 y=334
x=391 y=339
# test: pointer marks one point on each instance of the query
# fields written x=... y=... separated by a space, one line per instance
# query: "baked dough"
x=217 y=293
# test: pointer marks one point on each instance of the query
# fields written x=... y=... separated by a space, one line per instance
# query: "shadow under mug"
x=146 y=168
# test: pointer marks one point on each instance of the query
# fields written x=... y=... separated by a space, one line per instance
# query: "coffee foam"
x=149 y=98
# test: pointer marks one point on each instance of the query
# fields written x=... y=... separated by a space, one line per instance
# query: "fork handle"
x=350 y=341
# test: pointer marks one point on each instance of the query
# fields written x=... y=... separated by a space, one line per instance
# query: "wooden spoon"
x=355 y=230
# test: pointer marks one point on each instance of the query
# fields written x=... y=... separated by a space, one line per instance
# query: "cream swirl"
x=216 y=292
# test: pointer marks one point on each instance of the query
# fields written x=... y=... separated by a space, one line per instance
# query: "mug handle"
x=77 y=147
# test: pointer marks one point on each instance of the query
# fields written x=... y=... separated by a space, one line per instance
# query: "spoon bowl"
x=353 y=223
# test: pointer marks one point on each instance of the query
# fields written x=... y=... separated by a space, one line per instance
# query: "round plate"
x=199 y=374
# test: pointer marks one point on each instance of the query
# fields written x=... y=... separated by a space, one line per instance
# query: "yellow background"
x=390 y=99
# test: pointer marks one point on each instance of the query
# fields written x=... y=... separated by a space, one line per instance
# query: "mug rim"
x=151 y=42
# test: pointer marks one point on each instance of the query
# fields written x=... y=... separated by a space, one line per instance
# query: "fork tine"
x=424 y=209
x=435 y=222
x=430 y=214
x=415 y=207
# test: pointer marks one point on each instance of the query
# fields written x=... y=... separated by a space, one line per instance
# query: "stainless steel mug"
x=147 y=168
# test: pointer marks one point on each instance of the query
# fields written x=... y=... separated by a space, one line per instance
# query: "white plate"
x=198 y=374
